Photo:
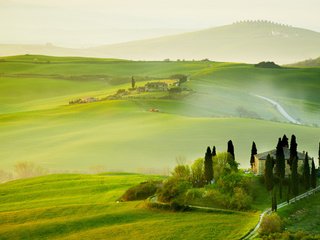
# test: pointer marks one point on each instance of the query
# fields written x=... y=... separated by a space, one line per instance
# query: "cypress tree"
x=133 y=83
x=254 y=151
x=295 y=176
x=306 y=172
x=280 y=165
x=231 y=148
x=214 y=153
x=293 y=150
x=272 y=203
x=232 y=162
x=284 y=141
x=208 y=166
x=275 y=202
x=313 y=179
x=268 y=173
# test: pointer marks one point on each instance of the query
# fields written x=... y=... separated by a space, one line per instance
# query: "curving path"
x=280 y=109
x=254 y=232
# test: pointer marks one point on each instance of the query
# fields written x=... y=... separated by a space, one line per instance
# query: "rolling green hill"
x=38 y=124
x=249 y=41
x=87 y=209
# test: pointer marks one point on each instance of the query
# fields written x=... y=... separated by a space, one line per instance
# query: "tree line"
x=275 y=175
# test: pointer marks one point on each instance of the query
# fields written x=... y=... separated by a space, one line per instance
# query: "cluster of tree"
x=181 y=77
x=267 y=65
x=208 y=161
x=230 y=189
x=275 y=171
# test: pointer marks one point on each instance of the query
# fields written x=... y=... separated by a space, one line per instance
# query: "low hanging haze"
x=86 y=23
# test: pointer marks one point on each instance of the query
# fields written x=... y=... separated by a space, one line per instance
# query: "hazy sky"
x=81 y=23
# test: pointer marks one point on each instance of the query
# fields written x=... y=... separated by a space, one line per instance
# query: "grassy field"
x=123 y=135
x=303 y=215
x=38 y=125
x=86 y=208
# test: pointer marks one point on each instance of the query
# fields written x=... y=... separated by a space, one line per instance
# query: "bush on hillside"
x=28 y=169
x=271 y=223
x=300 y=235
x=181 y=171
x=173 y=188
x=141 y=191
x=197 y=173
x=221 y=165
x=240 y=200
x=227 y=183
x=194 y=193
x=235 y=191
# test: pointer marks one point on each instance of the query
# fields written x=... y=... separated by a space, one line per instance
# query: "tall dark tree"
x=133 y=83
x=274 y=202
x=293 y=150
x=285 y=142
x=295 y=176
x=306 y=172
x=214 y=153
x=231 y=148
x=313 y=180
x=208 y=166
x=268 y=173
x=280 y=165
x=232 y=162
x=254 y=151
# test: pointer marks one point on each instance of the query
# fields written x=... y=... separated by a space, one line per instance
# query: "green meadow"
x=303 y=215
x=37 y=124
x=74 y=206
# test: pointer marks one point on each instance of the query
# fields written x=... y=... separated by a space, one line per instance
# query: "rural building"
x=156 y=87
x=260 y=160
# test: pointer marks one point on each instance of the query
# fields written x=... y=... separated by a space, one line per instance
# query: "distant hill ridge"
x=243 y=41
x=261 y=21
x=307 y=63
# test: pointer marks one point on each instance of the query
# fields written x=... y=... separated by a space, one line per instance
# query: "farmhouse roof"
x=263 y=156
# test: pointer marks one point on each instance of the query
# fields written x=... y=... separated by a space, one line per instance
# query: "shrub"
x=28 y=169
x=197 y=173
x=221 y=165
x=193 y=194
x=141 y=191
x=271 y=223
x=229 y=182
x=240 y=199
x=182 y=172
x=172 y=189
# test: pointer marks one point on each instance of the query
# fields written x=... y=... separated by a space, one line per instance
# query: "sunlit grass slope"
x=220 y=89
x=303 y=215
x=73 y=206
x=38 y=125
x=124 y=135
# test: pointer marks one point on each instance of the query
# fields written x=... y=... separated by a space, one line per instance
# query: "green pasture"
x=38 y=125
x=124 y=135
x=72 y=206
x=303 y=215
